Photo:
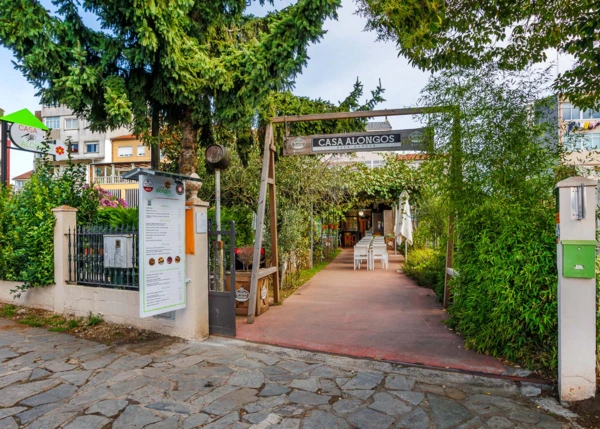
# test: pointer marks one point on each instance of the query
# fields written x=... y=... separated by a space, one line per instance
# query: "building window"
x=591 y=141
x=590 y=114
x=71 y=124
x=74 y=148
x=570 y=112
x=91 y=147
x=141 y=150
x=125 y=151
x=52 y=122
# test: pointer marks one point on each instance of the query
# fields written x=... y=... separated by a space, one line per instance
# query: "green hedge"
x=505 y=297
x=426 y=267
x=27 y=223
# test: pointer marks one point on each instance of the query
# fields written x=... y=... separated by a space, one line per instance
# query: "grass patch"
x=72 y=324
x=8 y=310
x=306 y=274
x=57 y=321
x=94 y=319
x=33 y=321
x=58 y=329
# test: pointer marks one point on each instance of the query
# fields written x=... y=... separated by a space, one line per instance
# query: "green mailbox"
x=579 y=258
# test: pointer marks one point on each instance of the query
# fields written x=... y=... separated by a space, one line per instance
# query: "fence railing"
x=112 y=180
x=87 y=256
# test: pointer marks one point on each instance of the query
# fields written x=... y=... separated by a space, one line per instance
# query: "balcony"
x=112 y=180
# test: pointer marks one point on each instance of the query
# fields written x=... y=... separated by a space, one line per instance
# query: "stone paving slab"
x=51 y=380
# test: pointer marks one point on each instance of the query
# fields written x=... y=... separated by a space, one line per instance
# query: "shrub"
x=505 y=301
x=426 y=267
x=118 y=217
x=242 y=216
x=27 y=222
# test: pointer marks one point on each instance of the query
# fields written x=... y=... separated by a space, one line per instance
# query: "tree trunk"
x=155 y=148
x=188 y=158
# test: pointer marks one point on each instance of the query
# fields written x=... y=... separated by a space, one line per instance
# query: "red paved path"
x=376 y=314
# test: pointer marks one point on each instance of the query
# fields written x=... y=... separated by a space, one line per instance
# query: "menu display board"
x=162 y=245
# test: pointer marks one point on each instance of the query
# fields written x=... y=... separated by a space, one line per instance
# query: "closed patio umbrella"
x=403 y=224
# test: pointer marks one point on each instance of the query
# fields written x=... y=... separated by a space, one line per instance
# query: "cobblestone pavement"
x=50 y=380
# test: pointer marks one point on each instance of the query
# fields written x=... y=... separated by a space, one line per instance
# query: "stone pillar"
x=576 y=291
x=193 y=320
x=66 y=219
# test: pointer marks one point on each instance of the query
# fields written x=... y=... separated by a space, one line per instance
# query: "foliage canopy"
x=437 y=35
x=198 y=63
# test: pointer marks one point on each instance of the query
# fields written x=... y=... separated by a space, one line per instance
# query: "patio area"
x=378 y=314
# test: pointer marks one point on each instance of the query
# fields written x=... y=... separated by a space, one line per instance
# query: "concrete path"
x=50 y=380
x=376 y=314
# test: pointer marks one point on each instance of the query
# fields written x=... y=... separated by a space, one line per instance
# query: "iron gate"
x=221 y=294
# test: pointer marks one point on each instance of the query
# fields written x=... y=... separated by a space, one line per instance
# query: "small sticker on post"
x=201 y=223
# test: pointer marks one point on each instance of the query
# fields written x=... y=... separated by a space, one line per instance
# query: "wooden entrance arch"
x=267 y=182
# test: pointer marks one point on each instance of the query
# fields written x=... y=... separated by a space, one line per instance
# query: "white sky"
x=345 y=53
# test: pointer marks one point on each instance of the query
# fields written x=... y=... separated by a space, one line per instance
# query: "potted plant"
x=245 y=255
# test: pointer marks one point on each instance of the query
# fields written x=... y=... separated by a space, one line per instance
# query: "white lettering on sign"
x=339 y=141
x=242 y=295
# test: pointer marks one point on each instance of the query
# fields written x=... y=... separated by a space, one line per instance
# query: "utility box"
x=579 y=259
x=118 y=251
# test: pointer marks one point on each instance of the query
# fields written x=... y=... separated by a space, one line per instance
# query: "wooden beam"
x=273 y=222
x=358 y=114
x=264 y=272
x=260 y=219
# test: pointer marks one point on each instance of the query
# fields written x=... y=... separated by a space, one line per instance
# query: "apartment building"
x=106 y=155
x=579 y=135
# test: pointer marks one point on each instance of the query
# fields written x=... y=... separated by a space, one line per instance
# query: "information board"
x=162 y=245
x=395 y=140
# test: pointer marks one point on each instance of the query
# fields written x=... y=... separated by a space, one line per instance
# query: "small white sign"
x=201 y=223
x=162 y=245
x=242 y=295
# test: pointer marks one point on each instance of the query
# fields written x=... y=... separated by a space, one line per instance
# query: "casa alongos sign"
x=28 y=133
x=162 y=245
x=395 y=140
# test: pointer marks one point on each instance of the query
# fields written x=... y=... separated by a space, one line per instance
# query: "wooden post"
x=260 y=219
x=273 y=216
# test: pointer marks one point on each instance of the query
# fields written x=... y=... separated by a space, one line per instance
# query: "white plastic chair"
x=360 y=253
x=379 y=253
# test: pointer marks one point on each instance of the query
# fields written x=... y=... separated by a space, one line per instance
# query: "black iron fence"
x=104 y=257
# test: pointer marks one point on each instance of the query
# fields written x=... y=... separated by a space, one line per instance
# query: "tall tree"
x=196 y=62
x=441 y=34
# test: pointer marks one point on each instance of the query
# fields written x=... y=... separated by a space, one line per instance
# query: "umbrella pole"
x=405 y=252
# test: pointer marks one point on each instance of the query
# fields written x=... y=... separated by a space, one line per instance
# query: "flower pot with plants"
x=245 y=256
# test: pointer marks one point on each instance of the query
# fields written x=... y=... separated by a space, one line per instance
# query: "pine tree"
x=192 y=63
